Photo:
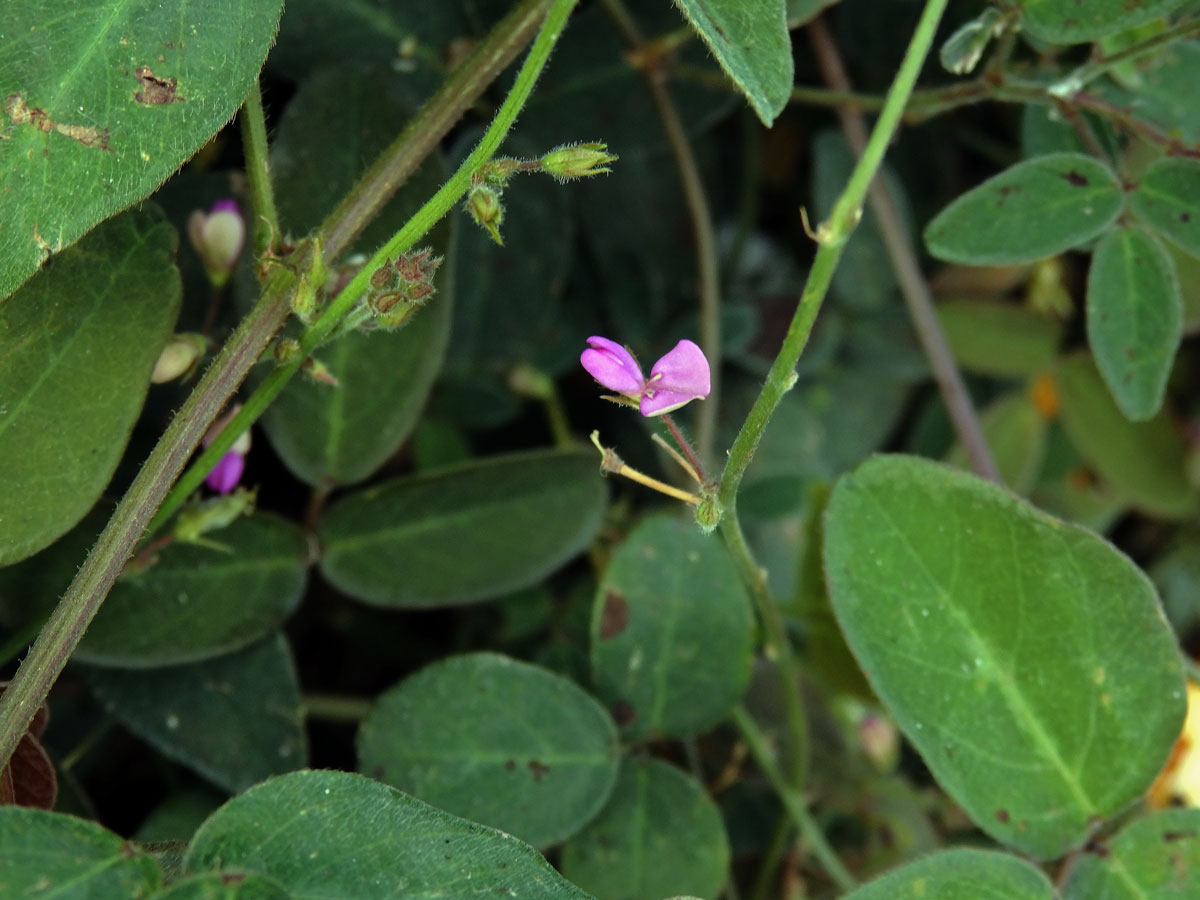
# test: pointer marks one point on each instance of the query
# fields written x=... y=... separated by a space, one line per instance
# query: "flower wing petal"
x=683 y=370
x=613 y=366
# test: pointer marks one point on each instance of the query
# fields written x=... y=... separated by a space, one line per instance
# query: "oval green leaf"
x=672 y=632
x=68 y=404
x=339 y=121
x=1134 y=318
x=659 y=834
x=495 y=741
x=750 y=40
x=197 y=602
x=997 y=338
x=334 y=834
x=1073 y=22
x=1035 y=209
x=1155 y=858
x=1167 y=197
x=47 y=854
x=236 y=719
x=463 y=534
x=1146 y=460
x=106 y=103
x=1011 y=647
x=959 y=874
x=213 y=886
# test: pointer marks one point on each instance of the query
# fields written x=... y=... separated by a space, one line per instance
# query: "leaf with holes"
x=106 y=103
x=750 y=40
x=659 y=835
x=68 y=404
x=1073 y=22
x=672 y=632
x=1035 y=209
x=1011 y=647
x=1167 y=198
x=1134 y=318
x=334 y=834
x=496 y=741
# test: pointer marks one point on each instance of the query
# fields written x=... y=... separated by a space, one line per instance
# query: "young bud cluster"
x=401 y=286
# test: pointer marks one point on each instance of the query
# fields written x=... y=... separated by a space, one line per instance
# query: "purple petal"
x=226 y=206
x=655 y=403
x=613 y=366
x=226 y=474
x=684 y=371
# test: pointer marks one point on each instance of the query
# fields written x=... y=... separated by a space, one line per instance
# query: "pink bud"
x=682 y=375
x=226 y=474
x=218 y=237
x=613 y=366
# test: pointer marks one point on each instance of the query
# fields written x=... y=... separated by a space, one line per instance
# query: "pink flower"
x=218 y=237
x=225 y=475
x=680 y=376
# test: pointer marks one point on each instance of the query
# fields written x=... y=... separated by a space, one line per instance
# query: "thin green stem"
x=66 y=625
x=696 y=200
x=427 y=128
x=913 y=286
x=258 y=170
x=793 y=802
x=415 y=228
x=832 y=235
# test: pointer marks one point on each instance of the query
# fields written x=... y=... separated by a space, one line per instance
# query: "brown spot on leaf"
x=1171 y=836
x=614 y=616
x=1185 y=217
x=155 y=91
x=510 y=764
x=623 y=713
x=538 y=769
x=21 y=113
x=1002 y=816
x=1075 y=179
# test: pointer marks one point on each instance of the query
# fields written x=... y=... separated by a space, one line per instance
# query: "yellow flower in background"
x=1179 y=781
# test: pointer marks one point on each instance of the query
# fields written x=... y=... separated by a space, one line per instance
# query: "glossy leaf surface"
x=464 y=533
x=672 y=632
x=106 y=103
x=1134 y=318
x=658 y=835
x=495 y=741
x=235 y=719
x=67 y=406
x=333 y=834
x=1035 y=209
x=1010 y=646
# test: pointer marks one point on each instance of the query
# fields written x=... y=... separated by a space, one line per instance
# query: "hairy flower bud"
x=178 y=357
x=577 y=161
x=218 y=237
x=483 y=203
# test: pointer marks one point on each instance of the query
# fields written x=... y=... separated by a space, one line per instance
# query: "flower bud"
x=218 y=237
x=483 y=203
x=577 y=161
x=708 y=512
x=178 y=357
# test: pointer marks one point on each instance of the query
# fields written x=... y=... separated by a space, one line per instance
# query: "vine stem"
x=797 y=808
x=913 y=286
x=258 y=170
x=70 y=619
x=413 y=230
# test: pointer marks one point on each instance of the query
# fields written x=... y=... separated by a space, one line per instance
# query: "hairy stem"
x=258 y=170
x=913 y=286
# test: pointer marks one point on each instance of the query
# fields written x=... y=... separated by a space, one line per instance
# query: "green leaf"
x=1134 y=318
x=67 y=402
x=235 y=719
x=672 y=632
x=801 y=11
x=1035 y=209
x=658 y=835
x=1167 y=197
x=1016 y=434
x=750 y=40
x=105 y=103
x=1155 y=858
x=496 y=741
x=46 y=854
x=333 y=834
x=338 y=122
x=1157 y=97
x=959 y=874
x=1146 y=460
x=465 y=533
x=1072 y=22
x=997 y=338
x=197 y=602
x=1010 y=646
x=213 y=886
